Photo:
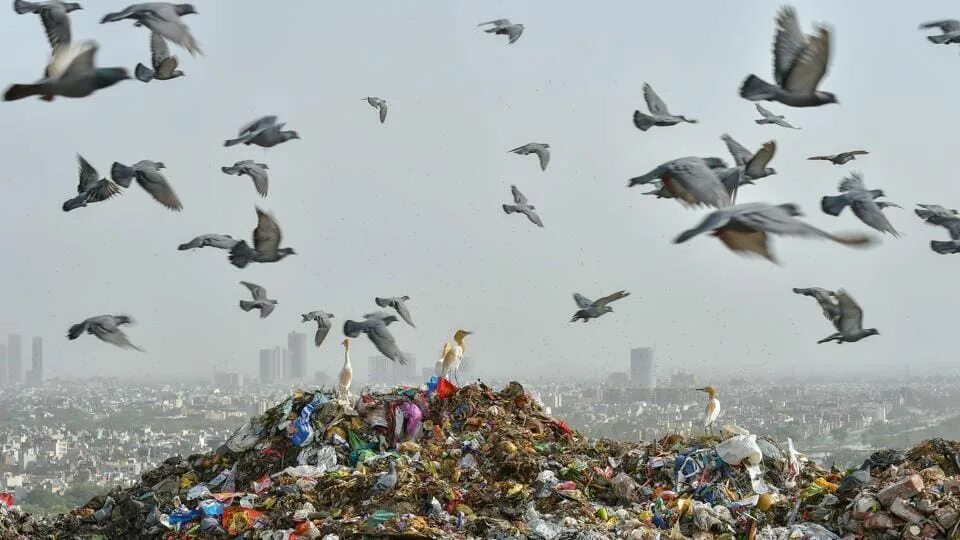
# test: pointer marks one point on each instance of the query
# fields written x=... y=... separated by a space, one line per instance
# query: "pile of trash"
x=445 y=462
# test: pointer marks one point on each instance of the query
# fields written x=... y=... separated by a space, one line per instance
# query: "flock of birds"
x=800 y=62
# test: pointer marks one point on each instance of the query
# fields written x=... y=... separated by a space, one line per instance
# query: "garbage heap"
x=475 y=463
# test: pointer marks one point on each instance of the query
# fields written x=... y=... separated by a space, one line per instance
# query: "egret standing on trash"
x=452 y=355
x=346 y=373
x=713 y=408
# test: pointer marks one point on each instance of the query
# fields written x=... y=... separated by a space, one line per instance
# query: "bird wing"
x=777 y=220
x=784 y=123
x=514 y=31
x=765 y=113
x=811 y=66
x=696 y=182
x=712 y=222
x=824 y=158
x=518 y=197
x=322 y=331
x=854 y=182
x=266 y=309
x=260 y=179
x=56 y=22
x=788 y=44
x=174 y=30
x=73 y=61
x=157 y=186
x=582 y=301
x=760 y=160
x=532 y=216
x=383 y=111
x=712 y=412
x=826 y=299
x=257 y=125
x=113 y=336
x=266 y=237
x=610 y=298
x=851 y=316
x=88 y=175
x=258 y=292
x=856 y=152
x=947 y=25
x=740 y=154
x=544 y=155
x=401 y=308
x=869 y=212
x=159 y=51
x=102 y=190
x=654 y=103
x=385 y=343
x=497 y=22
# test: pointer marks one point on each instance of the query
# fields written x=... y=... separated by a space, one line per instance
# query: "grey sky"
x=413 y=206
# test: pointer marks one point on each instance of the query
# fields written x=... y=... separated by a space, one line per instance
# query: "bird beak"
x=701 y=389
x=467 y=332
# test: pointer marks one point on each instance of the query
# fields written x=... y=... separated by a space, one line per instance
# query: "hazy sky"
x=413 y=206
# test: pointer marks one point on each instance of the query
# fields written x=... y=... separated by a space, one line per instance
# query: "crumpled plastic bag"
x=245 y=438
x=539 y=527
x=740 y=448
x=706 y=517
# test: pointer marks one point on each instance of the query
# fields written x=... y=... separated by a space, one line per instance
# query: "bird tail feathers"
x=121 y=174
x=20 y=91
x=143 y=73
x=382 y=302
x=833 y=204
x=77 y=202
x=241 y=254
x=944 y=248
x=113 y=17
x=756 y=89
x=933 y=39
x=643 y=121
x=352 y=329
x=75 y=331
x=853 y=239
x=247 y=305
x=21 y=7
x=304 y=317
x=686 y=235
x=509 y=209
x=238 y=140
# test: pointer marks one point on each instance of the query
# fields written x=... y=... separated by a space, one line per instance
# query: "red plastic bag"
x=6 y=499
x=236 y=520
x=446 y=389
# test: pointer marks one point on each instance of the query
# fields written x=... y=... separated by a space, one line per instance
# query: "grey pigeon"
x=92 y=188
x=827 y=300
x=853 y=483
x=386 y=481
x=398 y=303
x=691 y=180
x=504 y=27
x=106 y=328
x=378 y=103
x=934 y=214
x=542 y=150
x=256 y=171
x=659 y=114
x=745 y=228
x=323 y=324
x=162 y=18
x=950 y=29
x=260 y=300
x=148 y=175
x=717 y=165
x=219 y=241
x=264 y=132
x=70 y=73
x=770 y=118
x=591 y=309
x=521 y=206
x=266 y=244
x=754 y=165
x=799 y=63
x=854 y=193
x=53 y=15
x=374 y=325
x=850 y=323
x=164 y=65
x=841 y=158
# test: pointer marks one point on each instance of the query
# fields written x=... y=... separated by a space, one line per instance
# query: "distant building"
x=377 y=370
x=641 y=368
x=682 y=379
x=618 y=378
x=405 y=374
x=322 y=378
x=226 y=379
x=427 y=372
x=35 y=375
x=14 y=360
x=297 y=351
x=279 y=369
x=267 y=366
x=3 y=365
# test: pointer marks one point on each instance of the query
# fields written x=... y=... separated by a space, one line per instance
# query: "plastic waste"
x=199 y=491
x=304 y=511
x=211 y=508
x=740 y=448
x=303 y=433
x=539 y=527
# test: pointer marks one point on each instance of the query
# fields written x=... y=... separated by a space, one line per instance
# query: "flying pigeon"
x=162 y=18
x=323 y=324
x=754 y=165
x=53 y=15
x=841 y=158
x=504 y=27
x=745 y=227
x=799 y=63
x=717 y=165
x=854 y=193
x=374 y=325
x=164 y=65
x=266 y=244
x=386 y=481
x=591 y=309
x=691 y=180
x=70 y=73
x=827 y=300
x=219 y=241
x=150 y=178
x=106 y=328
x=542 y=150
x=265 y=132
x=850 y=323
x=770 y=118
x=260 y=300
x=659 y=114
x=520 y=206
x=378 y=103
x=399 y=304
x=950 y=29
x=256 y=171
x=934 y=214
x=92 y=188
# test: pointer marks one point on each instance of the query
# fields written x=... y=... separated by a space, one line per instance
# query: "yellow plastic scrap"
x=826 y=485
x=336 y=431
x=515 y=489
x=188 y=480
x=683 y=506
x=268 y=504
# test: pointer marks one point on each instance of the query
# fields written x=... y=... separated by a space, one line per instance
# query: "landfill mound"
x=475 y=463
